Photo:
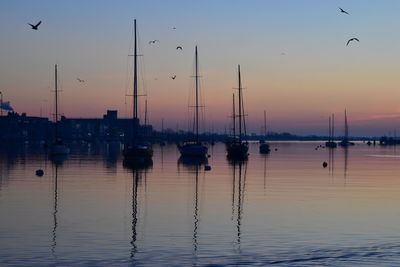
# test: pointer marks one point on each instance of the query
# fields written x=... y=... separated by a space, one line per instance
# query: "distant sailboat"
x=345 y=142
x=330 y=143
x=137 y=150
x=194 y=148
x=264 y=146
x=58 y=147
x=237 y=149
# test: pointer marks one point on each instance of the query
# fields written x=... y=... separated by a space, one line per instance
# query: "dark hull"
x=237 y=150
x=264 y=148
x=330 y=144
x=137 y=152
x=345 y=143
x=193 y=150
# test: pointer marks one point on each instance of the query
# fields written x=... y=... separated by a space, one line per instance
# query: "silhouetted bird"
x=179 y=47
x=80 y=80
x=174 y=28
x=343 y=11
x=35 y=27
x=173 y=77
x=352 y=39
x=153 y=41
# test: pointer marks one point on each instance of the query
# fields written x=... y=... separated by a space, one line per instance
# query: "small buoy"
x=207 y=168
x=325 y=164
x=208 y=156
x=39 y=172
x=276 y=149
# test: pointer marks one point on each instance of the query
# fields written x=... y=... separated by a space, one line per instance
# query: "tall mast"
x=333 y=126
x=56 y=92
x=346 y=127
x=145 y=112
x=240 y=105
x=330 y=130
x=233 y=116
x=265 y=123
x=135 y=89
x=197 y=98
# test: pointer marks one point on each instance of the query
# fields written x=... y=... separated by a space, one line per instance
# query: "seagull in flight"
x=80 y=80
x=153 y=41
x=352 y=39
x=35 y=27
x=179 y=47
x=343 y=11
x=173 y=77
x=174 y=28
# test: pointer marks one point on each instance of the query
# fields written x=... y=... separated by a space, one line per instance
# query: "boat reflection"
x=139 y=171
x=192 y=163
x=239 y=169
x=138 y=163
x=58 y=159
x=55 y=208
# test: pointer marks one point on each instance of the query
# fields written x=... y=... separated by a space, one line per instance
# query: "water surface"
x=283 y=208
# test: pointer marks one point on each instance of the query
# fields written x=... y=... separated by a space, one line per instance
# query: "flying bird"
x=80 y=80
x=343 y=11
x=173 y=77
x=352 y=39
x=174 y=28
x=179 y=47
x=35 y=27
x=153 y=41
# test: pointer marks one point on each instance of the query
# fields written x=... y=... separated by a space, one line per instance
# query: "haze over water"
x=283 y=208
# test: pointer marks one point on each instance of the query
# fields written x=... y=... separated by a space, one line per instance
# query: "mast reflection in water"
x=139 y=170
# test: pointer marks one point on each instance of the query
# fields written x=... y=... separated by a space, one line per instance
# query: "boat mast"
x=333 y=126
x=56 y=98
x=197 y=98
x=330 y=130
x=135 y=89
x=265 y=123
x=233 y=116
x=240 y=105
x=346 y=127
x=145 y=112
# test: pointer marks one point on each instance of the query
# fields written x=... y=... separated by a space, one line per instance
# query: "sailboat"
x=136 y=151
x=237 y=149
x=194 y=148
x=330 y=143
x=345 y=142
x=58 y=147
x=264 y=146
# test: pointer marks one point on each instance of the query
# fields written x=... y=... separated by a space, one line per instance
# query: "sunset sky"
x=293 y=54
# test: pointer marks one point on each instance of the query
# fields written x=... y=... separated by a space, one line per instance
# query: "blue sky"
x=317 y=74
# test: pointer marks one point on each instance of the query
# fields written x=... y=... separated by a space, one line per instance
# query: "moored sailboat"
x=264 y=146
x=194 y=148
x=137 y=150
x=330 y=143
x=58 y=147
x=237 y=148
x=345 y=141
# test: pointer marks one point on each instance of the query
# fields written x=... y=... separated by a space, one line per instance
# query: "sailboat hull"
x=193 y=150
x=330 y=144
x=264 y=148
x=237 y=150
x=137 y=151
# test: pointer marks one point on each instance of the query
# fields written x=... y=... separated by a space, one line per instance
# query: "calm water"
x=283 y=209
